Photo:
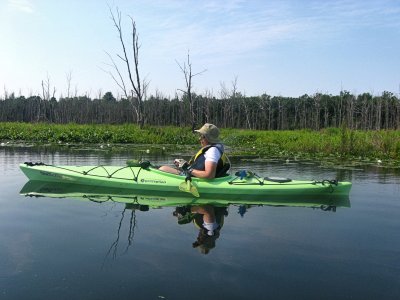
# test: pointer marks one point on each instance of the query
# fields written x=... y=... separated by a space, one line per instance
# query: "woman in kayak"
x=209 y=162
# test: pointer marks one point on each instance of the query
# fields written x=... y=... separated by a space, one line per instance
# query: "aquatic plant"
x=334 y=142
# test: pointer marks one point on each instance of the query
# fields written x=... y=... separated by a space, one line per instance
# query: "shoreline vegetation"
x=334 y=144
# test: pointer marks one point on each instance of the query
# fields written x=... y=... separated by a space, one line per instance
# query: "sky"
x=276 y=47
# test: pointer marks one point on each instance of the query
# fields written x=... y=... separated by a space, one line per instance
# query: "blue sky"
x=287 y=48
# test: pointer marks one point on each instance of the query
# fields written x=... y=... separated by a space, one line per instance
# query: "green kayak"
x=144 y=177
x=152 y=199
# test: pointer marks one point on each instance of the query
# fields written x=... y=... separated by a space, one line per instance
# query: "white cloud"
x=227 y=36
x=22 y=5
x=346 y=13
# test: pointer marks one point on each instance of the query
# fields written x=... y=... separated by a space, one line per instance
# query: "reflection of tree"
x=132 y=226
x=114 y=245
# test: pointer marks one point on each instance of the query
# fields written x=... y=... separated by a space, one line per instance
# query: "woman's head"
x=209 y=134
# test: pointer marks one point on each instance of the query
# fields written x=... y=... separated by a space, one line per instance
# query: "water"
x=65 y=248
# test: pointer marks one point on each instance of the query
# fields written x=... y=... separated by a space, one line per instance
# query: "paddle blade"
x=183 y=187
x=194 y=191
x=189 y=188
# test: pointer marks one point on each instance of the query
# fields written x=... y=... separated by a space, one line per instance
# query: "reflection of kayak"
x=147 y=178
x=154 y=199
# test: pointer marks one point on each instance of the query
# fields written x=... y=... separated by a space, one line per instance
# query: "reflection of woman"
x=208 y=219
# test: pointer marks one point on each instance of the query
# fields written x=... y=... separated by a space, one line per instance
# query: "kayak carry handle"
x=327 y=181
x=33 y=164
x=278 y=179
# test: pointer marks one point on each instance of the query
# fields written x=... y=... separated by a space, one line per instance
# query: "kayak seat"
x=224 y=171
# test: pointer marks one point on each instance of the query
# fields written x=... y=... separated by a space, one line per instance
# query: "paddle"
x=188 y=187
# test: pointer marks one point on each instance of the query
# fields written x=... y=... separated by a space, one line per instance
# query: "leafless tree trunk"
x=224 y=96
x=186 y=69
x=46 y=89
x=235 y=96
x=378 y=113
x=317 y=111
x=206 y=106
x=69 y=79
x=326 y=113
x=41 y=113
x=99 y=94
x=137 y=91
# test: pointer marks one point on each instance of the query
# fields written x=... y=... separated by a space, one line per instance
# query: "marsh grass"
x=94 y=134
x=331 y=142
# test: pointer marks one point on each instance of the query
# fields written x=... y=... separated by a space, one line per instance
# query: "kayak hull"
x=151 y=179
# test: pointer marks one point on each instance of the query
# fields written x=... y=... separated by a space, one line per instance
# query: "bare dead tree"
x=5 y=92
x=186 y=69
x=99 y=94
x=206 y=111
x=136 y=91
x=227 y=106
x=46 y=87
x=317 y=111
x=236 y=96
x=76 y=91
x=69 y=79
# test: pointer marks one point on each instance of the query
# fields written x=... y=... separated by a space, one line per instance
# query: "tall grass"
x=338 y=142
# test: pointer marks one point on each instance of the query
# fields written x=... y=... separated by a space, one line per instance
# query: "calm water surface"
x=65 y=248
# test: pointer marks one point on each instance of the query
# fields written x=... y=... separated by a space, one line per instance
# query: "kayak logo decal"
x=153 y=199
x=153 y=181
x=45 y=173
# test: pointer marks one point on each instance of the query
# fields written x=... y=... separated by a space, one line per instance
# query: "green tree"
x=109 y=97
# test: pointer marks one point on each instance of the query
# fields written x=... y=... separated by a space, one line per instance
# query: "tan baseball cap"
x=211 y=132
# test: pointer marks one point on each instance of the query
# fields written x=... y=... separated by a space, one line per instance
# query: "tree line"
x=234 y=110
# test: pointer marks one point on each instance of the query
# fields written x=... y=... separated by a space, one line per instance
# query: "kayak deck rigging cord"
x=143 y=165
x=243 y=174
